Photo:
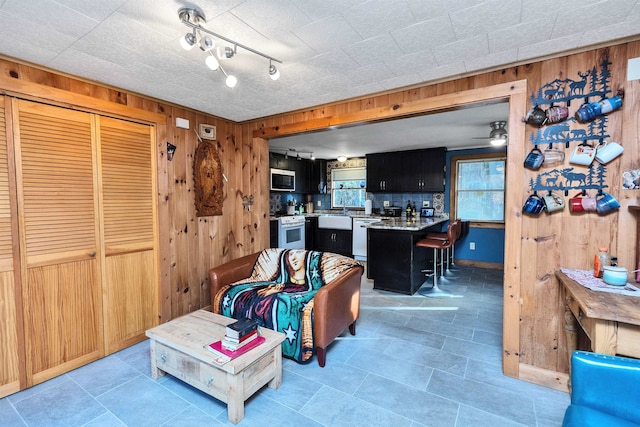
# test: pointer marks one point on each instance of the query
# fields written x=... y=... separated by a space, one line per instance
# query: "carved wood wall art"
x=207 y=176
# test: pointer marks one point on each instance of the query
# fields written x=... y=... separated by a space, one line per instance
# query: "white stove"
x=291 y=232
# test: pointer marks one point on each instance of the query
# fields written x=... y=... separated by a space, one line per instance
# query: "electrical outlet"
x=385 y=204
x=472 y=246
x=319 y=203
x=426 y=203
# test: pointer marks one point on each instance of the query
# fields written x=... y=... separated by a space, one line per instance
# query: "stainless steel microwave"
x=283 y=180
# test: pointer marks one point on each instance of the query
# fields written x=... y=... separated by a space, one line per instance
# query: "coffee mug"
x=536 y=116
x=582 y=203
x=583 y=155
x=608 y=151
x=553 y=157
x=533 y=205
x=534 y=159
x=553 y=202
x=557 y=114
x=606 y=203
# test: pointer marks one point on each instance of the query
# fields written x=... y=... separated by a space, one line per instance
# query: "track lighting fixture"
x=193 y=18
x=293 y=151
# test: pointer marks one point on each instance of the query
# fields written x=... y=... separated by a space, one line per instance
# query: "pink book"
x=217 y=348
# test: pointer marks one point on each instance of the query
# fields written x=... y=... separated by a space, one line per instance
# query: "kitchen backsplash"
x=278 y=200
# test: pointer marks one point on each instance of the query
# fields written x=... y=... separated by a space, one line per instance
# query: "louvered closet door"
x=127 y=180
x=9 y=372
x=57 y=205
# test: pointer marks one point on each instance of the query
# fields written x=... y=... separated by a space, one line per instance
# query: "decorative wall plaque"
x=207 y=176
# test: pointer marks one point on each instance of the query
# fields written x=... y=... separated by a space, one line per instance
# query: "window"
x=348 y=187
x=478 y=187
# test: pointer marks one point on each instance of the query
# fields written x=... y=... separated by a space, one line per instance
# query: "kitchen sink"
x=339 y=222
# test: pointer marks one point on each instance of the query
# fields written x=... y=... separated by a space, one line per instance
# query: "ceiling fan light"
x=498 y=141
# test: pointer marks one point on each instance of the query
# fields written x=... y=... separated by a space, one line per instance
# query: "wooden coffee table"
x=178 y=347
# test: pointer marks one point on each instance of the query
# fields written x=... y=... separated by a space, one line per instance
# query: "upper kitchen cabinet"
x=318 y=176
x=407 y=171
x=382 y=172
x=423 y=170
x=311 y=175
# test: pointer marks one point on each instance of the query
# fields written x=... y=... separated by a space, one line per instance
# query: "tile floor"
x=414 y=361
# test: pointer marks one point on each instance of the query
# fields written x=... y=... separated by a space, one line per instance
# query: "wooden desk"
x=611 y=321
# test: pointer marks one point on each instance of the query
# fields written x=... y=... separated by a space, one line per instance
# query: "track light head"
x=274 y=73
x=225 y=52
x=188 y=41
x=231 y=80
x=212 y=63
x=206 y=44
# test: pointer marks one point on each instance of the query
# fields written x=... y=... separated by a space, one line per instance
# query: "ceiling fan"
x=498 y=134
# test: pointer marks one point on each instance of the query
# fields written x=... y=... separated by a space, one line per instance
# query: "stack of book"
x=240 y=337
x=240 y=333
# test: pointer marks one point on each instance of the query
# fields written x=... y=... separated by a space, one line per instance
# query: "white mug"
x=608 y=151
x=583 y=155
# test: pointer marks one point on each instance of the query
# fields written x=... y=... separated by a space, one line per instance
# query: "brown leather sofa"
x=336 y=305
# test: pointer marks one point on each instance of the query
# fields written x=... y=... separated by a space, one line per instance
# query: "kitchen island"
x=393 y=261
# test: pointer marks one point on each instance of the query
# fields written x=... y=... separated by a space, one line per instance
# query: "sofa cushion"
x=583 y=416
x=279 y=294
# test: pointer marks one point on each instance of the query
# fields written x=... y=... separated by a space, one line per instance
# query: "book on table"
x=224 y=355
x=241 y=327
x=233 y=343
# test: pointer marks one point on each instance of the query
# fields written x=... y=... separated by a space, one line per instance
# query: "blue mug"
x=533 y=205
x=534 y=159
x=606 y=203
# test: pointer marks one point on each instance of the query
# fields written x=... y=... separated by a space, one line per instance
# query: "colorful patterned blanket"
x=279 y=294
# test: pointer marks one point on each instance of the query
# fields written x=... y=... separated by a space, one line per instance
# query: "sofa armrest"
x=336 y=305
x=230 y=272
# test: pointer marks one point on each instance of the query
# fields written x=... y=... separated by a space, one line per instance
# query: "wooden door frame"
x=516 y=94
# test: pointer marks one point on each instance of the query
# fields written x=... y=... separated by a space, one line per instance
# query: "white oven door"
x=291 y=237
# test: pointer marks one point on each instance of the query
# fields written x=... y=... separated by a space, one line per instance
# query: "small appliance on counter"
x=427 y=212
x=394 y=211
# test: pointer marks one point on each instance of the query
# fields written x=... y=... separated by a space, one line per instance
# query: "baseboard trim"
x=479 y=264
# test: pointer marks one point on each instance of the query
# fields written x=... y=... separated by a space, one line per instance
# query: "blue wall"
x=489 y=241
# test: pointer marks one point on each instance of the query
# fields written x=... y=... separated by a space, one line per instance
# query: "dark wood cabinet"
x=310 y=226
x=317 y=176
x=333 y=240
x=407 y=171
x=383 y=170
x=423 y=170
x=273 y=233
x=311 y=175
x=394 y=262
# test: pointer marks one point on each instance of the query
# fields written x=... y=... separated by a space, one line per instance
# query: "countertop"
x=401 y=224
x=387 y=223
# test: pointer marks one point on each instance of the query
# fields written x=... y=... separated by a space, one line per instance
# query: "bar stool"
x=438 y=245
x=449 y=250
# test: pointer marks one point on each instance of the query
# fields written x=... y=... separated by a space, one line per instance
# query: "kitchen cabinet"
x=334 y=240
x=394 y=262
x=406 y=171
x=311 y=175
x=318 y=176
x=310 y=226
x=382 y=172
x=423 y=170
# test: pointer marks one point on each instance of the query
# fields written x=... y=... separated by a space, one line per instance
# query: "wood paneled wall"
x=539 y=246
